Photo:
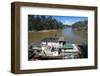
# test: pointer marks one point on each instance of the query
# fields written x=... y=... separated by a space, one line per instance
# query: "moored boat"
x=56 y=50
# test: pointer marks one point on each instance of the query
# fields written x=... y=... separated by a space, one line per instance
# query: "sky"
x=69 y=19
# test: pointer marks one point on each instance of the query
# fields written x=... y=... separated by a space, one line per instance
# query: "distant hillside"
x=80 y=25
x=37 y=23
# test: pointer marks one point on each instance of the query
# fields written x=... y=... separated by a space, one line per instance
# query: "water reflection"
x=72 y=36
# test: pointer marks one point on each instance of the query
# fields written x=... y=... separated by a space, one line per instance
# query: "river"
x=70 y=35
x=74 y=36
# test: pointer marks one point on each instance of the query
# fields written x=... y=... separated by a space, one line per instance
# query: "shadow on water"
x=84 y=50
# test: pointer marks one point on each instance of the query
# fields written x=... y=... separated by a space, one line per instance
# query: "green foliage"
x=36 y=22
x=81 y=25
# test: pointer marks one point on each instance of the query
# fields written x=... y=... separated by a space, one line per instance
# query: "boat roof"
x=68 y=46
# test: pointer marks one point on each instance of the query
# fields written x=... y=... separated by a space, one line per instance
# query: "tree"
x=80 y=25
x=37 y=22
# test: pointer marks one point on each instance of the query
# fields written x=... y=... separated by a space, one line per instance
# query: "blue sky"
x=69 y=19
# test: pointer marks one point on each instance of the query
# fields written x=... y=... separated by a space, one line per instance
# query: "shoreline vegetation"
x=38 y=23
x=80 y=25
x=44 y=23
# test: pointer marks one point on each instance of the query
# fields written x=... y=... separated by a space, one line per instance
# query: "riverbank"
x=39 y=35
x=43 y=31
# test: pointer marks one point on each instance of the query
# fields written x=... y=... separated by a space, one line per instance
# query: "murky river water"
x=70 y=35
